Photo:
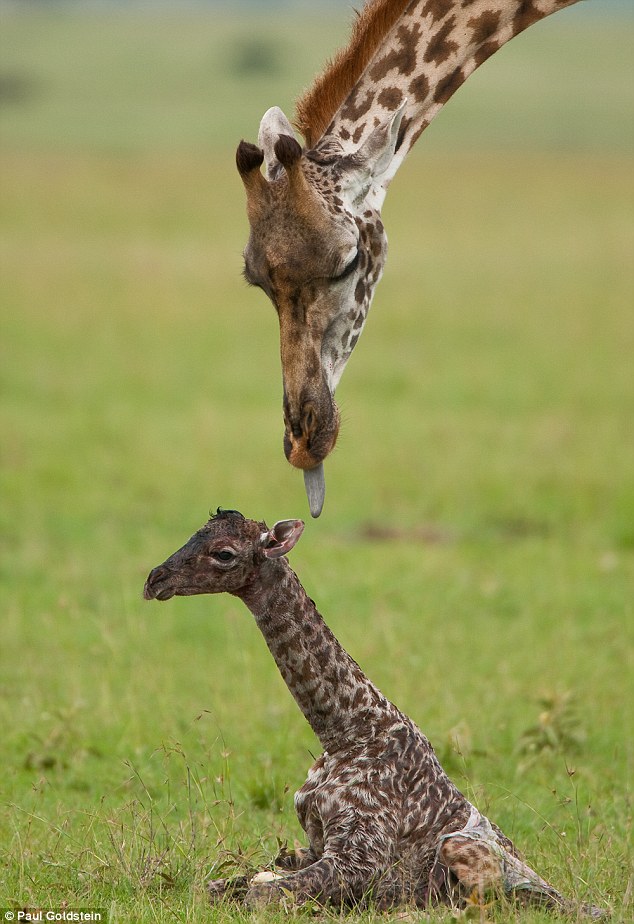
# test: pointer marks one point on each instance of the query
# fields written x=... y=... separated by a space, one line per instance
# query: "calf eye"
x=223 y=555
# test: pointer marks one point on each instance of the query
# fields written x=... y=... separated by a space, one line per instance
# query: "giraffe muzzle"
x=311 y=431
x=306 y=445
x=159 y=585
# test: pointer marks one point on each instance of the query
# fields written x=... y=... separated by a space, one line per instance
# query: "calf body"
x=383 y=820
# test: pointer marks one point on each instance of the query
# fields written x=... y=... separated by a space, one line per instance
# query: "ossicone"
x=288 y=151
x=248 y=157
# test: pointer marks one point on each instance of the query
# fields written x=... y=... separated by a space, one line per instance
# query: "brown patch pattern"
x=437 y=9
x=315 y=109
x=448 y=86
x=484 y=26
x=357 y=105
x=390 y=98
x=402 y=57
x=527 y=14
x=392 y=41
x=440 y=45
x=419 y=88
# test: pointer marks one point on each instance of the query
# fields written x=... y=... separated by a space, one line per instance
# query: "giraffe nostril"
x=310 y=419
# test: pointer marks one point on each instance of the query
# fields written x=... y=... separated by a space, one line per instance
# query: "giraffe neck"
x=340 y=703
x=423 y=59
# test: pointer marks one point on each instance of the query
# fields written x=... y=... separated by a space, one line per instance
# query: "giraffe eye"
x=350 y=268
x=223 y=555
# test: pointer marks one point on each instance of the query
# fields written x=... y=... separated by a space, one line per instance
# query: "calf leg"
x=227 y=889
x=317 y=881
x=236 y=888
x=482 y=864
x=357 y=852
x=473 y=863
x=300 y=858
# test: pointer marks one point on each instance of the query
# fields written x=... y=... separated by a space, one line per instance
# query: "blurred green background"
x=476 y=551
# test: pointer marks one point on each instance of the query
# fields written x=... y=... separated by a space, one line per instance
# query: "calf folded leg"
x=300 y=858
x=317 y=881
x=481 y=861
x=227 y=889
x=357 y=852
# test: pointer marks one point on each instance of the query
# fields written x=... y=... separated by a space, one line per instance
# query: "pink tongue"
x=315 y=485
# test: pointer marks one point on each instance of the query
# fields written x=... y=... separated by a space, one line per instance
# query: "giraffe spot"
x=447 y=87
x=437 y=9
x=344 y=134
x=402 y=131
x=440 y=47
x=419 y=131
x=359 y=292
x=410 y=42
x=484 y=26
x=401 y=58
x=419 y=88
x=306 y=671
x=390 y=98
x=358 y=133
x=484 y=52
x=387 y=63
x=526 y=15
x=359 y=698
x=353 y=111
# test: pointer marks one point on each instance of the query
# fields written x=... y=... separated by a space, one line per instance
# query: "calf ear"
x=281 y=538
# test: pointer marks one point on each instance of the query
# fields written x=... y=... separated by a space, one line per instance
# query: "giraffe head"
x=317 y=249
x=226 y=555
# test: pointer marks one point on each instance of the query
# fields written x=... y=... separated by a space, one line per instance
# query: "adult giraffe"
x=317 y=246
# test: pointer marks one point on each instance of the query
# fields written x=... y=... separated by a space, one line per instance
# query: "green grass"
x=476 y=552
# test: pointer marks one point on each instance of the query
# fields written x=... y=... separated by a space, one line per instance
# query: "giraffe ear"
x=274 y=123
x=374 y=156
x=281 y=538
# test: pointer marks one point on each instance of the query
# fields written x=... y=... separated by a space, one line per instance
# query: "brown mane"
x=316 y=107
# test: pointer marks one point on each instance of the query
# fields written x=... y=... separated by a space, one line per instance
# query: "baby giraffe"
x=384 y=822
